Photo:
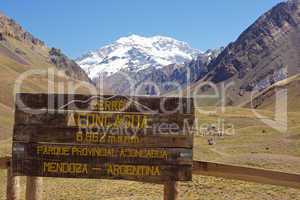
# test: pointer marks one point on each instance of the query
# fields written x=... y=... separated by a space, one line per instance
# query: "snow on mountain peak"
x=134 y=39
x=135 y=53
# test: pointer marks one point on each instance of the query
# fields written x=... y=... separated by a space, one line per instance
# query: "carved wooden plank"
x=106 y=121
x=106 y=102
x=48 y=134
x=151 y=173
x=34 y=188
x=4 y=162
x=13 y=189
x=246 y=174
x=116 y=137
x=103 y=153
x=170 y=190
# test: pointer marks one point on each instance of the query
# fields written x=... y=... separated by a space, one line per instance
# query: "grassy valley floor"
x=253 y=144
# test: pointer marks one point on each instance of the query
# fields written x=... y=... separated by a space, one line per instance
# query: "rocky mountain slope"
x=176 y=77
x=12 y=30
x=267 y=52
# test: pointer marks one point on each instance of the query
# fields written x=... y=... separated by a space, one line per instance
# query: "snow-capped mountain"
x=156 y=59
x=135 y=53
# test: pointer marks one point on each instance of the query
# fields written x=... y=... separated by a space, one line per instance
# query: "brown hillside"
x=267 y=52
x=20 y=52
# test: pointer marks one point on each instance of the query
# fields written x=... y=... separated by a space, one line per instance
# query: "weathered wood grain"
x=226 y=171
x=4 y=162
x=50 y=126
x=103 y=154
x=151 y=173
x=246 y=174
x=106 y=121
x=170 y=190
x=13 y=188
x=34 y=188
x=78 y=101
x=49 y=134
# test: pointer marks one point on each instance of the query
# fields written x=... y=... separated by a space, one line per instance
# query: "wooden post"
x=13 y=185
x=34 y=188
x=170 y=190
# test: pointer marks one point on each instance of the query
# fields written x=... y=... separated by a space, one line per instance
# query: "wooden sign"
x=115 y=137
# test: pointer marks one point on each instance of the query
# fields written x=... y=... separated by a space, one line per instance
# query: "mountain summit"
x=135 y=53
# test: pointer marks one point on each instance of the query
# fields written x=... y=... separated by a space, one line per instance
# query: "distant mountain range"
x=266 y=56
x=265 y=53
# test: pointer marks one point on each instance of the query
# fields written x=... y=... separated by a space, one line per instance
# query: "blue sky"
x=77 y=26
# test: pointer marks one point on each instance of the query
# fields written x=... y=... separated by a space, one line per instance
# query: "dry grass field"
x=254 y=145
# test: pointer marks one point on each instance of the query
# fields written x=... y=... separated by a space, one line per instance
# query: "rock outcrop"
x=70 y=67
x=10 y=28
